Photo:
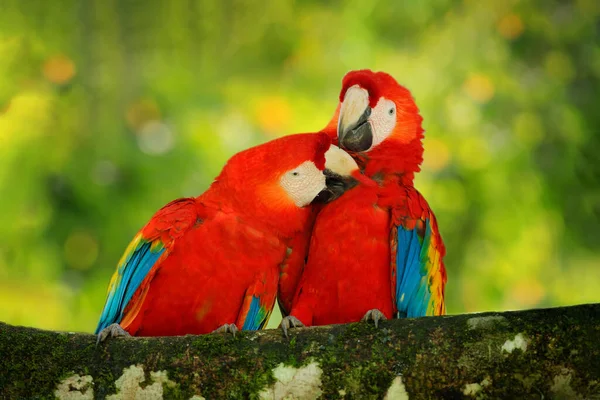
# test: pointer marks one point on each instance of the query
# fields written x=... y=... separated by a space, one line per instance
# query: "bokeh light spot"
x=235 y=132
x=27 y=110
x=510 y=26
x=463 y=114
x=437 y=155
x=479 y=87
x=156 y=138
x=81 y=250
x=273 y=114
x=59 y=69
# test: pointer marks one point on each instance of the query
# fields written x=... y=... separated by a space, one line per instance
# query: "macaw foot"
x=227 y=328
x=374 y=315
x=113 y=330
x=290 y=322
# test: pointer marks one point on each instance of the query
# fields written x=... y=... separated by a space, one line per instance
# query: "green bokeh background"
x=111 y=108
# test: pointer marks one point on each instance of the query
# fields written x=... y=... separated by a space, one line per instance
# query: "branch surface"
x=546 y=353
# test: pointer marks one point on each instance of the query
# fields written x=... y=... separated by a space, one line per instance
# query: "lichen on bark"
x=552 y=353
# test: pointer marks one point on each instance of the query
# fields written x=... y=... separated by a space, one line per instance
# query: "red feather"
x=348 y=269
x=351 y=266
x=200 y=285
x=222 y=251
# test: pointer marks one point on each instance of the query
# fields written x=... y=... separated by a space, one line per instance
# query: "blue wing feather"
x=257 y=315
x=412 y=294
x=253 y=321
x=127 y=279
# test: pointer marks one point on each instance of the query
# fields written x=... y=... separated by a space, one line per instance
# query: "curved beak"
x=354 y=128
x=339 y=168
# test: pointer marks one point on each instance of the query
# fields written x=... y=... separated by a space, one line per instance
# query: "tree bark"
x=535 y=354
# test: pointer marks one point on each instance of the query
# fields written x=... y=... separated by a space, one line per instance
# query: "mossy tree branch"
x=550 y=353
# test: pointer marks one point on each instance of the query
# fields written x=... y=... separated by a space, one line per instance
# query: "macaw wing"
x=258 y=304
x=129 y=284
x=418 y=272
x=139 y=258
x=257 y=314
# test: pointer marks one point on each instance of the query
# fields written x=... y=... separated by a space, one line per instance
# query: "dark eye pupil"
x=391 y=111
x=295 y=173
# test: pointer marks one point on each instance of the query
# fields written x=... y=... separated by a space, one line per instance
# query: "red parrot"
x=213 y=262
x=376 y=252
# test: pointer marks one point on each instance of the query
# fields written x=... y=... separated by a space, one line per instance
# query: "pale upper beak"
x=339 y=162
x=339 y=168
x=355 y=132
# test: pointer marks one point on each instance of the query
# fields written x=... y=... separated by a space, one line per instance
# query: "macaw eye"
x=295 y=173
x=386 y=115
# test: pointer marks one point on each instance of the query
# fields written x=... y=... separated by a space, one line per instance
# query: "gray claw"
x=227 y=328
x=113 y=330
x=290 y=322
x=374 y=315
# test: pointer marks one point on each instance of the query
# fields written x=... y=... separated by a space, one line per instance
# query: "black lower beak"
x=336 y=185
x=359 y=136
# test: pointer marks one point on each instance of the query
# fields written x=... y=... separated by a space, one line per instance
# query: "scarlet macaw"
x=375 y=253
x=213 y=262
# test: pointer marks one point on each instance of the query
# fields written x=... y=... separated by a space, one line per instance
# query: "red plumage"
x=358 y=240
x=341 y=284
x=216 y=259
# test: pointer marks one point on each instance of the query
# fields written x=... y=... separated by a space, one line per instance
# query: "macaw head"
x=379 y=123
x=285 y=175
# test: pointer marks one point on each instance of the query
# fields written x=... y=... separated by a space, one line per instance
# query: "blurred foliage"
x=110 y=109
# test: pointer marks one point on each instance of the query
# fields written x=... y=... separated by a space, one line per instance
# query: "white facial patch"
x=383 y=120
x=303 y=183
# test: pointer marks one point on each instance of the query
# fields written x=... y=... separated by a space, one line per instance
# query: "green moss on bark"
x=526 y=354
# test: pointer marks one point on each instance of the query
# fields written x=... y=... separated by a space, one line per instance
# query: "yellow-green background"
x=111 y=108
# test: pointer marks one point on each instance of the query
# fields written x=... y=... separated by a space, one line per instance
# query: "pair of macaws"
x=219 y=261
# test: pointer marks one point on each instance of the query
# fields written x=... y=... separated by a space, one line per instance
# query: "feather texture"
x=258 y=302
x=138 y=260
x=378 y=246
x=141 y=258
x=416 y=272
x=204 y=262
